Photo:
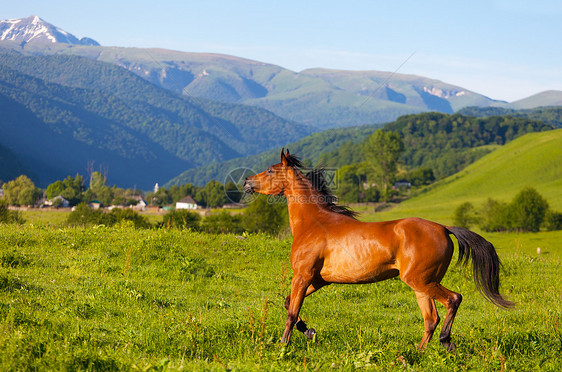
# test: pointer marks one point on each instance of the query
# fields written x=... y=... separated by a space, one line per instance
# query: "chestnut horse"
x=331 y=246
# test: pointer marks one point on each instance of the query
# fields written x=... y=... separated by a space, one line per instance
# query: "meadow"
x=117 y=298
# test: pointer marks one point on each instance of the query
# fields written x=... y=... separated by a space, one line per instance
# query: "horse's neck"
x=304 y=207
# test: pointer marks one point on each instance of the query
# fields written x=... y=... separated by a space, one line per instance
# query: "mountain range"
x=33 y=28
x=146 y=115
x=61 y=113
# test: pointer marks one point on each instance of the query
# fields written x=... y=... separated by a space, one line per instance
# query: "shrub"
x=266 y=214
x=84 y=215
x=465 y=215
x=128 y=214
x=528 y=210
x=181 y=219
x=553 y=220
x=8 y=216
x=495 y=216
x=222 y=222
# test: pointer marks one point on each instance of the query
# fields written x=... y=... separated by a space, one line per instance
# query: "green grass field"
x=117 y=298
x=124 y=299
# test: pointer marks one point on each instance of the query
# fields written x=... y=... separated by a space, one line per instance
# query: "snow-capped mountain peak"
x=34 y=28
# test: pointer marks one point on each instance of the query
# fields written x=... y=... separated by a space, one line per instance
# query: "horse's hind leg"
x=430 y=317
x=451 y=300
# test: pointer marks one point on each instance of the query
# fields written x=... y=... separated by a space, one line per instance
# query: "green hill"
x=546 y=98
x=534 y=160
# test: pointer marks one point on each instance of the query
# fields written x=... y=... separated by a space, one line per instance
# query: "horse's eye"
x=269 y=171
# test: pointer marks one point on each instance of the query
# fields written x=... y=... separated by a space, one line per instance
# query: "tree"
x=98 y=189
x=495 y=216
x=212 y=195
x=421 y=176
x=465 y=215
x=382 y=151
x=528 y=210
x=553 y=220
x=71 y=188
x=54 y=189
x=266 y=214
x=348 y=186
x=21 y=191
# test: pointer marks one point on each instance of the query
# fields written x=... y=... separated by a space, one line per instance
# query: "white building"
x=58 y=201
x=186 y=203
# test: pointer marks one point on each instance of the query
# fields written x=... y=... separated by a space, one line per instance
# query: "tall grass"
x=118 y=298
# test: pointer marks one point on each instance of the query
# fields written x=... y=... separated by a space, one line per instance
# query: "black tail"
x=485 y=264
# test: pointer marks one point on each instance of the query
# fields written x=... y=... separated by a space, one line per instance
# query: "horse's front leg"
x=299 y=285
x=300 y=324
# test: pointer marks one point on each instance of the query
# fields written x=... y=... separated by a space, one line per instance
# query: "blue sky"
x=503 y=49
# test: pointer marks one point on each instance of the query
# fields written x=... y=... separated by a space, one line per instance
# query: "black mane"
x=317 y=178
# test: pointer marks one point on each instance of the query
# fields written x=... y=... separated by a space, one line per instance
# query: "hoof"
x=449 y=346
x=310 y=333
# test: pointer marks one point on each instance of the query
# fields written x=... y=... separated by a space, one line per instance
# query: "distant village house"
x=58 y=201
x=95 y=204
x=141 y=205
x=187 y=203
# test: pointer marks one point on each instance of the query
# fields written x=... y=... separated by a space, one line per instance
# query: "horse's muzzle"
x=248 y=186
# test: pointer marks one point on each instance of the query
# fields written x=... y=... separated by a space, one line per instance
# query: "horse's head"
x=273 y=181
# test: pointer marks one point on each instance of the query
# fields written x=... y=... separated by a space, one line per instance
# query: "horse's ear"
x=284 y=160
x=288 y=153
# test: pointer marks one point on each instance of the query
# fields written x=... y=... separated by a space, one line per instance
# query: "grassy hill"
x=534 y=160
x=546 y=98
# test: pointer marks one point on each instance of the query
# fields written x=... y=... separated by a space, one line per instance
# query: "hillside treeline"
x=549 y=114
x=528 y=211
x=23 y=192
x=442 y=142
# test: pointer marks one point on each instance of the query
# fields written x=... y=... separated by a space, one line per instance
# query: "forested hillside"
x=442 y=142
x=530 y=160
x=445 y=143
x=61 y=112
x=548 y=114
x=310 y=149
x=10 y=166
